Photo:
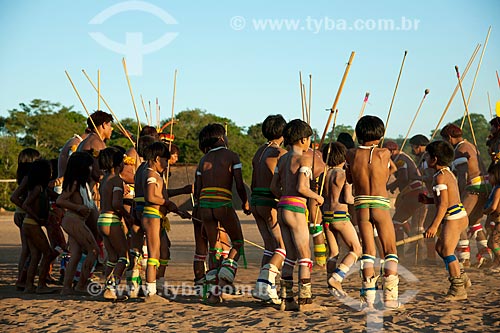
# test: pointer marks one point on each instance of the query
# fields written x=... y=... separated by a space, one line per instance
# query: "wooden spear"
x=310 y=99
x=118 y=123
x=326 y=164
x=83 y=104
x=302 y=97
x=466 y=107
x=171 y=127
x=471 y=60
x=489 y=104
x=426 y=92
x=145 y=112
x=98 y=89
x=393 y=96
x=139 y=127
x=475 y=75
x=363 y=106
x=339 y=92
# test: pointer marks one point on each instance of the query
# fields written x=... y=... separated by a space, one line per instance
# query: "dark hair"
x=210 y=135
x=78 y=169
x=53 y=168
x=346 y=139
x=451 y=130
x=296 y=130
x=149 y=130
x=156 y=149
x=495 y=122
x=494 y=169
x=337 y=153
x=39 y=174
x=174 y=149
x=419 y=140
x=99 y=117
x=369 y=128
x=391 y=145
x=145 y=141
x=272 y=127
x=110 y=158
x=442 y=150
x=24 y=160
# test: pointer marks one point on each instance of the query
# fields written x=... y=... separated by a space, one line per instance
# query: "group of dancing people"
x=113 y=206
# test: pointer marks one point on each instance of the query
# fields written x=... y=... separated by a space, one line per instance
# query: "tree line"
x=46 y=126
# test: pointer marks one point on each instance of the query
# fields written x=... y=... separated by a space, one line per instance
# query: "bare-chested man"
x=264 y=205
x=474 y=191
x=216 y=172
x=291 y=183
x=408 y=182
x=368 y=168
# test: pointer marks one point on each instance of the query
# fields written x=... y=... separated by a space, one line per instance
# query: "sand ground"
x=421 y=289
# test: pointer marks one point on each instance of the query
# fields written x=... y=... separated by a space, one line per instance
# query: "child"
x=217 y=170
x=136 y=230
x=156 y=205
x=338 y=193
x=77 y=200
x=368 y=168
x=491 y=209
x=36 y=207
x=450 y=213
x=24 y=161
x=109 y=222
x=291 y=183
x=264 y=208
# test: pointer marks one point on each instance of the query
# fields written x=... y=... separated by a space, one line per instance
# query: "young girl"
x=156 y=204
x=24 y=160
x=109 y=222
x=491 y=209
x=450 y=214
x=36 y=206
x=338 y=193
x=77 y=199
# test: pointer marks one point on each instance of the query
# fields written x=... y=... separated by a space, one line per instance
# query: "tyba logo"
x=134 y=49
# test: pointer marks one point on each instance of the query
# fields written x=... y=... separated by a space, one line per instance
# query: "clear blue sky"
x=250 y=73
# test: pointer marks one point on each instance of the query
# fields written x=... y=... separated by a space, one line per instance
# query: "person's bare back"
x=369 y=170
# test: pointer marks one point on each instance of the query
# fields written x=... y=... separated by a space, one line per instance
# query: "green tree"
x=43 y=125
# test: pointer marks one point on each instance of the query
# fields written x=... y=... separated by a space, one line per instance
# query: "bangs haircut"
x=451 y=130
x=272 y=127
x=39 y=174
x=441 y=150
x=369 y=128
x=151 y=131
x=24 y=160
x=210 y=135
x=145 y=141
x=99 y=117
x=337 y=153
x=494 y=170
x=156 y=149
x=110 y=158
x=296 y=130
x=78 y=169
x=346 y=139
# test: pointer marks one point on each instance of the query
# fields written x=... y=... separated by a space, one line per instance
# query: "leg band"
x=268 y=253
x=320 y=254
x=110 y=264
x=289 y=262
x=200 y=257
x=164 y=262
x=153 y=262
x=281 y=252
x=315 y=230
x=449 y=259
x=124 y=260
x=473 y=230
x=463 y=249
x=228 y=270
x=367 y=260
x=306 y=262
x=354 y=255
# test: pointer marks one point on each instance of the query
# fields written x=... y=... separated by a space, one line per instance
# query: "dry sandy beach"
x=421 y=289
